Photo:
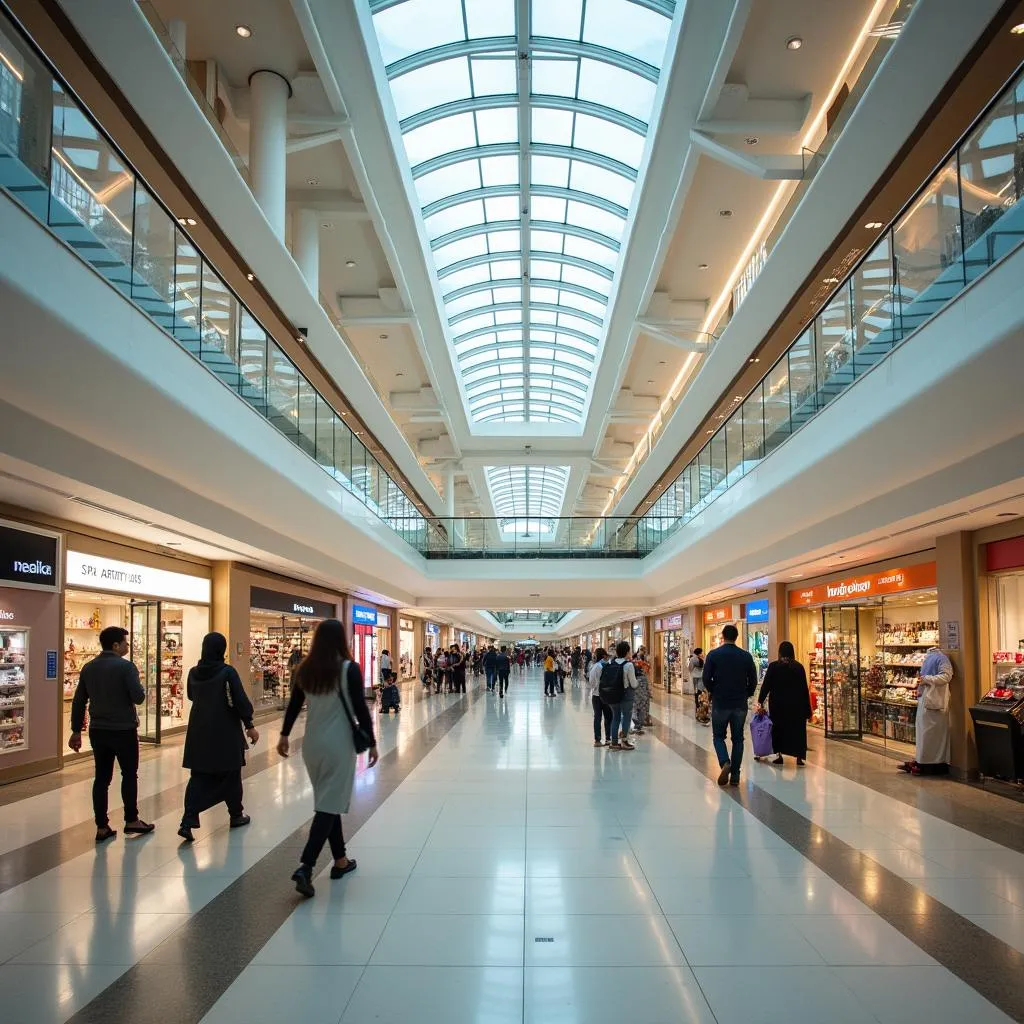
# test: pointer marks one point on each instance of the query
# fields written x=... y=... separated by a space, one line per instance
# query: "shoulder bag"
x=361 y=739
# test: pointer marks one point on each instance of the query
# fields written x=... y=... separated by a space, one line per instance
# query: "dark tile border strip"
x=188 y=972
x=991 y=967
x=986 y=812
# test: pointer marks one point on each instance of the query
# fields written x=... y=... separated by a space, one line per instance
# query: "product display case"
x=13 y=689
x=273 y=641
x=841 y=648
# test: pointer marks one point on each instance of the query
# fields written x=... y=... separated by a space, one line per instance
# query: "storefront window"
x=1008 y=639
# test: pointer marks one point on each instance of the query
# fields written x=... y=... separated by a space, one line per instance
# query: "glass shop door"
x=144 y=638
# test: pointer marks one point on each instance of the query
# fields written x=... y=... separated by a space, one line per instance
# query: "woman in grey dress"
x=331 y=685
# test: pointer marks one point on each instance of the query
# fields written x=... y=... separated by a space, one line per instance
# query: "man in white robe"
x=932 y=721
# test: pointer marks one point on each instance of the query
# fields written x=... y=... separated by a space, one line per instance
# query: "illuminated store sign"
x=29 y=559
x=95 y=573
x=757 y=611
x=363 y=615
x=892 y=581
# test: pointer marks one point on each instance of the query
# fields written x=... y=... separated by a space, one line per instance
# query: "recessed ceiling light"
x=250 y=277
x=383 y=337
x=794 y=43
x=725 y=213
x=751 y=140
x=326 y=225
x=661 y=362
x=1008 y=515
x=738 y=398
x=350 y=263
x=172 y=543
x=650 y=382
x=754 y=359
x=313 y=181
x=708 y=431
x=797 y=575
x=702 y=266
x=1018 y=30
x=243 y=30
x=399 y=374
x=873 y=225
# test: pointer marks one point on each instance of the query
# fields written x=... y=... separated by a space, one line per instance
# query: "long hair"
x=319 y=671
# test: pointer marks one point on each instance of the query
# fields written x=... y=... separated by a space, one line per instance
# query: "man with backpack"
x=730 y=676
x=491 y=666
x=617 y=688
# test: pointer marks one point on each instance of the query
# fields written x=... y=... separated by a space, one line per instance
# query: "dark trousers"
x=207 y=789
x=732 y=719
x=602 y=713
x=109 y=745
x=502 y=682
x=550 y=681
x=561 y=682
x=460 y=683
x=326 y=828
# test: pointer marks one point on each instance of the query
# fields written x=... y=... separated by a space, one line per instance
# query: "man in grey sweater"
x=109 y=685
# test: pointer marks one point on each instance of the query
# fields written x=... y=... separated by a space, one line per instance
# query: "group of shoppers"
x=220 y=727
x=613 y=683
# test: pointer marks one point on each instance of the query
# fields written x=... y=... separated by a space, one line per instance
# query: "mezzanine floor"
x=508 y=872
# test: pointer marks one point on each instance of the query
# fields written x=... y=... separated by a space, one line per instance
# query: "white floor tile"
x=495 y=894
x=588 y=940
x=452 y=940
x=856 y=939
x=320 y=938
x=49 y=993
x=553 y=895
x=103 y=939
x=761 y=941
x=312 y=995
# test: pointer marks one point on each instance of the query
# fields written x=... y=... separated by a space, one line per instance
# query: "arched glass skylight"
x=527 y=497
x=524 y=123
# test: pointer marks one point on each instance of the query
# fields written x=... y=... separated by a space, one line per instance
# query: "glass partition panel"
x=187 y=293
x=219 y=327
x=873 y=307
x=252 y=360
x=718 y=463
x=359 y=468
x=306 y=422
x=992 y=183
x=325 y=420
x=753 y=428
x=343 y=454
x=282 y=391
x=91 y=193
x=153 y=259
x=802 y=379
x=834 y=330
x=704 y=465
x=734 y=446
x=926 y=248
x=777 y=425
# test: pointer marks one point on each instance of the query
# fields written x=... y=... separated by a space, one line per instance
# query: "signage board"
x=363 y=615
x=405 y=624
x=29 y=558
x=951 y=635
x=290 y=604
x=383 y=620
x=96 y=573
x=720 y=614
x=432 y=629
x=891 y=581
x=757 y=611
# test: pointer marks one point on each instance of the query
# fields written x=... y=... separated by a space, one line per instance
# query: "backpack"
x=612 y=687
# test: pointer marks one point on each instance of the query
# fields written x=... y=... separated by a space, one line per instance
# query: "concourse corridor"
x=510 y=871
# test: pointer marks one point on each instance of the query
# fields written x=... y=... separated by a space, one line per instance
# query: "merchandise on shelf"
x=13 y=688
x=172 y=690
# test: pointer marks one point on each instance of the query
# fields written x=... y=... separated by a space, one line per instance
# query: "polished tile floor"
x=508 y=871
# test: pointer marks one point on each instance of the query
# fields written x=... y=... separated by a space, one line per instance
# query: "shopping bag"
x=761 y=734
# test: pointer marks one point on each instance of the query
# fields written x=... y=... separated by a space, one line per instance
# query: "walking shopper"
x=214 y=743
x=785 y=692
x=457 y=668
x=561 y=667
x=440 y=669
x=550 y=675
x=109 y=687
x=338 y=724
x=602 y=711
x=427 y=669
x=491 y=666
x=695 y=666
x=616 y=688
x=730 y=676
x=503 y=666
x=642 y=701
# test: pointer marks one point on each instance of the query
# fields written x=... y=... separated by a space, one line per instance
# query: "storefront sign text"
x=95 y=573
x=29 y=559
x=722 y=614
x=892 y=581
x=405 y=624
x=289 y=604
x=362 y=615
x=757 y=611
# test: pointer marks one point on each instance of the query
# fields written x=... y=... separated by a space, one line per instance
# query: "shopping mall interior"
x=549 y=325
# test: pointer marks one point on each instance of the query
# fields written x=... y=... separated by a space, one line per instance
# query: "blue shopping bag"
x=761 y=734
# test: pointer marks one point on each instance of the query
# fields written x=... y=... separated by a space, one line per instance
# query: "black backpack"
x=612 y=687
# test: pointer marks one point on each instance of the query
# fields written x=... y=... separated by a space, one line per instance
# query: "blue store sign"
x=757 y=611
x=363 y=615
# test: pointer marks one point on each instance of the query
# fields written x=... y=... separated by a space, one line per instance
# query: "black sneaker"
x=105 y=833
x=186 y=833
x=723 y=775
x=139 y=828
x=303 y=879
x=240 y=821
x=337 y=872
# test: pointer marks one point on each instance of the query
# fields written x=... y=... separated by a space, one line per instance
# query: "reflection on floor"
x=513 y=872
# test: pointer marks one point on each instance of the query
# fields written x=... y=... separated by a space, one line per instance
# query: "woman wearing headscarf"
x=331 y=686
x=789 y=704
x=214 y=742
x=642 y=700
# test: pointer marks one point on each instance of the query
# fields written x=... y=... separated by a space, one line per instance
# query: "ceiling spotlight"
x=650 y=382
x=725 y=213
x=702 y=266
x=753 y=359
x=399 y=374
x=794 y=43
x=250 y=277
x=383 y=337
x=708 y=431
x=751 y=140
x=661 y=362
x=1018 y=30
x=873 y=225
x=243 y=30
x=738 y=398
x=326 y=225
x=313 y=181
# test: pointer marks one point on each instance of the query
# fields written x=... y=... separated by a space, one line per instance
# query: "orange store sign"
x=892 y=581
x=722 y=614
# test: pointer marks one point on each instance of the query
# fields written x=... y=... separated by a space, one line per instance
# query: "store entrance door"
x=841 y=648
x=144 y=640
x=365 y=652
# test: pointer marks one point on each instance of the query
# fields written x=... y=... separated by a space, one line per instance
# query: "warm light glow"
x=1018 y=30
x=14 y=71
x=243 y=30
x=88 y=188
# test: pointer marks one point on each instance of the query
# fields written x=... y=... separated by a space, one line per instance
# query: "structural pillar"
x=778 y=618
x=306 y=247
x=268 y=138
x=958 y=602
x=449 y=490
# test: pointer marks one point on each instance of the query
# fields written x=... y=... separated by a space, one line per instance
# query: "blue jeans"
x=622 y=715
x=491 y=674
x=732 y=719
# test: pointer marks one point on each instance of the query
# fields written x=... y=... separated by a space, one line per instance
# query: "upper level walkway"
x=510 y=871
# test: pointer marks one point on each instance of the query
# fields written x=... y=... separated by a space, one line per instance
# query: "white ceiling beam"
x=628 y=402
x=669 y=335
x=303 y=142
x=428 y=417
x=421 y=400
x=625 y=418
x=774 y=167
x=737 y=113
x=378 y=320
x=327 y=200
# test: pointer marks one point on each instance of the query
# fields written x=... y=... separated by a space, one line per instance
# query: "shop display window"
x=277 y=643
x=1008 y=633
x=13 y=689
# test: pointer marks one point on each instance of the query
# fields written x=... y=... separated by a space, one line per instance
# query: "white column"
x=306 y=246
x=449 y=491
x=268 y=136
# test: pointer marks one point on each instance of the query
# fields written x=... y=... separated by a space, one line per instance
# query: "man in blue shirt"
x=730 y=676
